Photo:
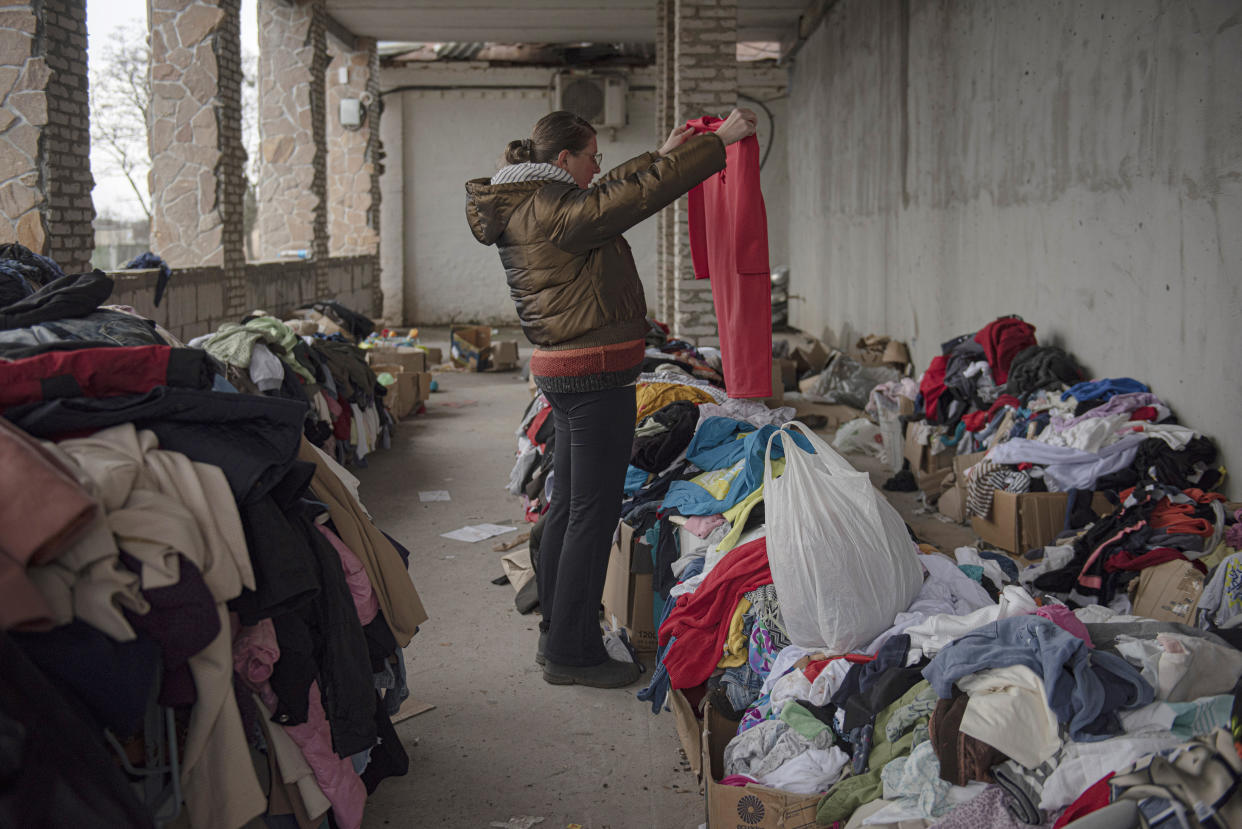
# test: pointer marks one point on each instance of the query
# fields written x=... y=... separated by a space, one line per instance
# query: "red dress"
x=729 y=245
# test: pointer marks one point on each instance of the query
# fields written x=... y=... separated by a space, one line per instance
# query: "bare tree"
x=120 y=103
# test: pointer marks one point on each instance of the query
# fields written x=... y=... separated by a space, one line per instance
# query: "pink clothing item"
x=738 y=780
x=729 y=245
x=334 y=406
x=1233 y=535
x=702 y=525
x=335 y=775
x=255 y=652
x=365 y=601
x=1064 y=618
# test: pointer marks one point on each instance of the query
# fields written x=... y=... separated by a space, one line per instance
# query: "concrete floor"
x=501 y=744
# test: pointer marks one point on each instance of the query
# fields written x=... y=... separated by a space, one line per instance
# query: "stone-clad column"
x=353 y=171
x=705 y=83
x=45 y=172
x=198 y=160
x=293 y=59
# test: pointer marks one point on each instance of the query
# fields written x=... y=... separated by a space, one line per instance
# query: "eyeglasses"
x=596 y=157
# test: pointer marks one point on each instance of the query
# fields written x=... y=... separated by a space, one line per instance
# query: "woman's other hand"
x=675 y=139
x=740 y=124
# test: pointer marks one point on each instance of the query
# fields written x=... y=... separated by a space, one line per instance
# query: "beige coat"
x=398 y=599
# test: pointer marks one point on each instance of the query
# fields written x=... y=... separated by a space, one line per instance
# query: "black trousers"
x=594 y=436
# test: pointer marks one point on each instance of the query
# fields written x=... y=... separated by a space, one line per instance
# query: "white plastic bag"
x=842 y=562
x=859 y=435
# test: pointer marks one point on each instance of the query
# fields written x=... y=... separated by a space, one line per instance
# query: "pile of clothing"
x=984 y=704
x=1045 y=427
x=312 y=359
x=1002 y=695
x=184 y=574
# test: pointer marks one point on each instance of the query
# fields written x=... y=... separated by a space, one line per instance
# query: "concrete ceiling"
x=542 y=21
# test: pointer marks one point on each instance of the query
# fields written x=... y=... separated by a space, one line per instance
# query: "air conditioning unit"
x=598 y=98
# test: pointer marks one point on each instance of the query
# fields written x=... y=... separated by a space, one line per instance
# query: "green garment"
x=282 y=335
x=803 y=721
x=347 y=363
x=847 y=795
x=234 y=344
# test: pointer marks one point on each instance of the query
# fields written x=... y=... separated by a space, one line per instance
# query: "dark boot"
x=540 y=659
x=610 y=674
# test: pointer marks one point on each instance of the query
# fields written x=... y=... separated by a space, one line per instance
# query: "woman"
x=581 y=304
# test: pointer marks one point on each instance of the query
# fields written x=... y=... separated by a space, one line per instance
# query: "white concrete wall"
x=456 y=132
x=1079 y=164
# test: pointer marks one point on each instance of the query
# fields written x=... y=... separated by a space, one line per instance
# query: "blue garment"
x=657 y=689
x=634 y=480
x=742 y=686
x=1104 y=389
x=149 y=260
x=218 y=383
x=1085 y=688
x=719 y=443
x=1007 y=564
x=975 y=571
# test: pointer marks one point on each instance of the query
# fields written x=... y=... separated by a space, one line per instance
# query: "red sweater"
x=728 y=221
x=701 y=619
x=729 y=245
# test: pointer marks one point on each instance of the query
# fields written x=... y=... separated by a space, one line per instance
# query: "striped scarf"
x=531 y=171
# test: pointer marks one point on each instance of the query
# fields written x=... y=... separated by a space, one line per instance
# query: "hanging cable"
x=771 y=127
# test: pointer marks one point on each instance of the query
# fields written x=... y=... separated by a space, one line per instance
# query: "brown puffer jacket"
x=569 y=271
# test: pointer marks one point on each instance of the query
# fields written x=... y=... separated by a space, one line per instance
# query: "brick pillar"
x=293 y=59
x=353 y=178
x=705 y=83
x=45 y=170
x=197 y=178
x=665 y=91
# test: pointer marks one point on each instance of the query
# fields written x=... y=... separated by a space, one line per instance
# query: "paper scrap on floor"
x=478 y=532
x=434 y=495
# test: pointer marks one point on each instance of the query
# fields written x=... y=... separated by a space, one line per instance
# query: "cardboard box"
x=471 y=346
x=628 y=595
x=411 y=359
x=746 y=807
x=1021 y=522
x=504 y=356
x=689 y=730
x=807 y=385
x=922 y=461
x=788 y=374
x=811 y=356
x=953 y=500
x=952 y=504
x=402 y=396
x=928 y=469
x=434 y=355
x=1169 y=592
x=424 y=386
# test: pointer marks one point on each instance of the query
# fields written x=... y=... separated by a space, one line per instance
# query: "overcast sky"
x=112 y=193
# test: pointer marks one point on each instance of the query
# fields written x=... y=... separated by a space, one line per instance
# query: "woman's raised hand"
x=740 y=124
x=676 y=138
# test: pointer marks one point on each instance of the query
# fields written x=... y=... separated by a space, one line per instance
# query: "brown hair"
x=553 y=132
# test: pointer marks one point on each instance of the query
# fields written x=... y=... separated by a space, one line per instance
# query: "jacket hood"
x=490 y=206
